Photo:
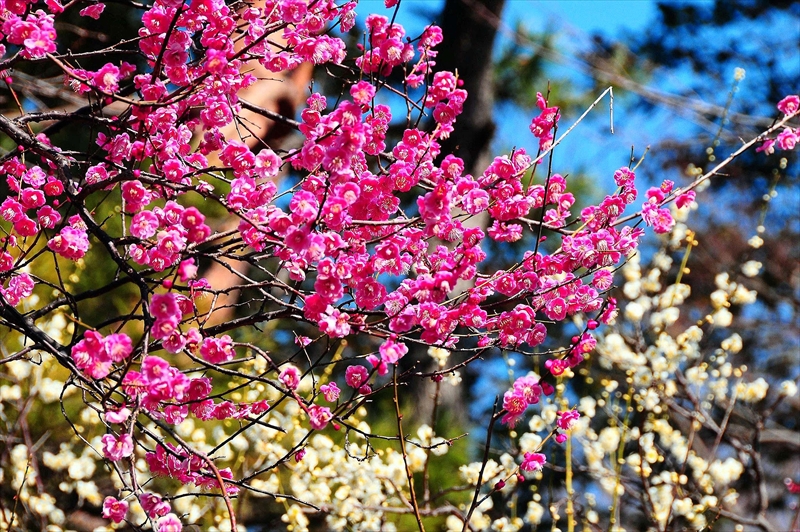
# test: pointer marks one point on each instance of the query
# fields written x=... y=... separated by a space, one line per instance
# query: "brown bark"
x=281 y=93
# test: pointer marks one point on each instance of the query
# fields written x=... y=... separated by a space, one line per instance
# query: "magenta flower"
x=789 y=104
x=319 y=416
x=169 y=523
x=115 y=509
x=330 y=391
x=290 y=377
x=392 y=351
x=118 y=416
x=533 y=462
x=116 y=449
x=153 y=505
x=515 y=403
x=356 y=376
x=567 y=419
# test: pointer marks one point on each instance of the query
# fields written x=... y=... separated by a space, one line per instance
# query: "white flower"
x=535 y=513
x=743 y=296
x=81 y=468
x=10 y=393
x=682 y=506
x=439 y=446
x=609 y=439
x=732 y=344
x=722 y=280
x=751 y=268
x=719 y=298
x=529 y=442
x=788 y=389
x=725 y=472
x=587 y=406
x=752 y=392
x=439 y=355
x=756 y=242
x=722 y=318
x=675 y=295
x=20 y=369
x=634 y=312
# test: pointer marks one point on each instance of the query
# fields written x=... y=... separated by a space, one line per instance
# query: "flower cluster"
x=788 y=138
x=369 y=250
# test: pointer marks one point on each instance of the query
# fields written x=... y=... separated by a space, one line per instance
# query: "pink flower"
x=533 y=462
x=381 y=365
x=330 y=391
x=94 y=11
x=118 y=346
x=153 y=505
x=19 y=287
x=11 y=210
x=392 y=351
x=789 y=104
x=290 y=377
x=768 y=147
x=144 y=224
x=567 y=419
x=660 y=219
x=302 y=341
x=116 y=449
x=187 y=270
x=164 y=306
x=169 y=523
x=362 y=92
x=32 y=198
x=334 y=323
x=71 y=243
x=217 y=350
x=787 y=139
x=114 y=509
x=356 y=376
x=48 y=217
x=117 y=416
x=514 y=403
x=319 y=416
x=685 y=199
x=624 y=177
x=91 y=355
x=529 y=388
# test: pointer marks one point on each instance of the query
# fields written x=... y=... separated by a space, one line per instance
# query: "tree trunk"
x=469 y=28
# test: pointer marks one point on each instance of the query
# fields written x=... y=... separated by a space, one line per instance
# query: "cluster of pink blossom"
x=533 y=462
x=168 y=310
x=35 y=33
x=29 y=190
x=153 y=505
x=175 y=462
x=387 y=49
x=105 y=80
x=361 y=257
x=166 y=233
x=543 y=125
x=96 y=355
x=788 y=138
x=526 y=391
x=19 y=286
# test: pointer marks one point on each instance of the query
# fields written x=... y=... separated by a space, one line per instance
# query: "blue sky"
x=604 y=16
x=574 y=21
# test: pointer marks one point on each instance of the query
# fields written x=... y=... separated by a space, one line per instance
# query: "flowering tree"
x=353 y=256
